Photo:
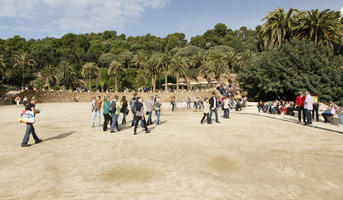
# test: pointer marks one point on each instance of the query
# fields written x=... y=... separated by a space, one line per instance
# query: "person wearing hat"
x=29 y=126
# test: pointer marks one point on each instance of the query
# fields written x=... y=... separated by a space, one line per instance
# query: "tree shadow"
x=60 y=136
x=294 y=121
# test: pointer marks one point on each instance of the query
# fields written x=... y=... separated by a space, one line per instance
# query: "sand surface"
x=246 y=157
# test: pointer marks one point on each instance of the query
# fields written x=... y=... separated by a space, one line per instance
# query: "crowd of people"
x=306 y=105
x=113 y=109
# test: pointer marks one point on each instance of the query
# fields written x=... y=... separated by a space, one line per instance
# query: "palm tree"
x=153 y=68
x=90 y=70
x=278 y=26
x=23 y=61
x=165 y=64
x=219 y=65
x=139 y=60
x=114 y=69
x=322 y=27
x=2 y=65
x=178 y=68
x=206 y=69
x=66 y=74
x=49 y=75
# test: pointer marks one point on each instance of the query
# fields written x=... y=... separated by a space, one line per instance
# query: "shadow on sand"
x=60 y=136
x=294 y=121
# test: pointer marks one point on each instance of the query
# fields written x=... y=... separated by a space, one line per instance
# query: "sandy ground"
x=246 y=157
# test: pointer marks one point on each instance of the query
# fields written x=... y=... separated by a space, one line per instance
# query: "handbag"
x=27 y=116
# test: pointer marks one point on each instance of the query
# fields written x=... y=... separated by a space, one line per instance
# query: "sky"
x=54 y=18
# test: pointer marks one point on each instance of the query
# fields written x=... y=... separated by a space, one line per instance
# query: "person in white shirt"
x=226 y=107
x=308 y=106
x=214 y=107
x=206 y=112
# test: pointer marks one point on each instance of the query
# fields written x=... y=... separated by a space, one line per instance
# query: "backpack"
x=112 y=108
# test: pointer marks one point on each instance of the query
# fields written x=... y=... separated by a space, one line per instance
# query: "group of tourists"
x=18 y=101
x=113 y=109
x=306 y=105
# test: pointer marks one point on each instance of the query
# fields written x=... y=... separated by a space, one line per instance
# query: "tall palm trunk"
x=177 y=82
x=154 y=83
x=166 y=82
x=116 y=83
x=89 y=85
x=23 y=80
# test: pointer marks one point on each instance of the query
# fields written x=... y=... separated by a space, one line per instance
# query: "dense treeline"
x=261 y=56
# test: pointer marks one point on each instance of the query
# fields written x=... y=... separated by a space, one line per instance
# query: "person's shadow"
x=60 y=136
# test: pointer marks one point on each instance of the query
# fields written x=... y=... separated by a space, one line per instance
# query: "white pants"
x=96 y=114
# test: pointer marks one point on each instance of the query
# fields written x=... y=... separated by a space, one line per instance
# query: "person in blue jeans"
x=149 y=104
x=29 y=126
x=340 y=114
x=157 y=107
x=214 y=107
x=116 y=105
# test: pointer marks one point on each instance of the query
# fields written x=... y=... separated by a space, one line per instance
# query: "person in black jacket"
x=214 y=107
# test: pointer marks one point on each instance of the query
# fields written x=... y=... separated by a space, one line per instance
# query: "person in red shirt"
x=300 y=106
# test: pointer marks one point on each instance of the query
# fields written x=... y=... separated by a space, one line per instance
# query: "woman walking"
x=158 y=107
x=124 y=109
x=206 y=112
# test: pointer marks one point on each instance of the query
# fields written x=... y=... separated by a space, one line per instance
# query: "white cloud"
x=76 y=15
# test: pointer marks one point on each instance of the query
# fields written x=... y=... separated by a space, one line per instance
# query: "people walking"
x=260 y=106
x=133 y=102
x=96 y=108
x=124 y=109
x=300 y=104
x=25 y=101
x=158 y=108
x=214 y=107
x=226 y=107
x=139 y=107
x=172 y=102
x=29 y=126
x=115 y=108
x=308 y=107
x=206 y=112
x=149 y=108
x=106 y=113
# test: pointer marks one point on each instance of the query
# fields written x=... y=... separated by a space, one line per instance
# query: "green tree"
x=322 y=27
x=49 y=76
x=153 y=68
x=90 y=71
x=24 y=62
x=278 y=27
x=165 y=64
x=2 y=66
x=178 y=68
x=114 y=69
x=66 y=75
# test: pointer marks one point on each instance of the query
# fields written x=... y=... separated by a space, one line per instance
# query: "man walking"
x=214 y=107
x=29 y=126
x=300 y=104
x=115 y=108
x=149 y=107
x=106 y=112
x=133 y=102
x=139 y=107
x=308 y=106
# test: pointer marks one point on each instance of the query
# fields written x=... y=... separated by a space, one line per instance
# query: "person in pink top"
x=330 y=111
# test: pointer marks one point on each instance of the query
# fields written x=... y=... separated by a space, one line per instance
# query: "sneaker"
x=147 y=131
x=25 y=145
x=39 y=141
x=134 y=133
x=118 y=130
x=112 y=131
x=218 y=122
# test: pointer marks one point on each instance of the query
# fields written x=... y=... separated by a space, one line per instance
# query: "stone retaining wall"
x=69 y=96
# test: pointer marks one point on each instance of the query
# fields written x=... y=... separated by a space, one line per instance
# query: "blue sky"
x=53 y=18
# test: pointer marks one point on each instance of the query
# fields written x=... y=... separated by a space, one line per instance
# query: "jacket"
x=300 y=101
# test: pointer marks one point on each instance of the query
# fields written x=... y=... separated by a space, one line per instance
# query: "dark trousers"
x=133 y=119
x=137 y=119
x=226 y=112
x=315 y=111
x=326 y=117
x=29 y=129
x=215 y=111
x=301 y=110
x=206 y=116
x=107 y=120
x=173 y=106
x=308 y=116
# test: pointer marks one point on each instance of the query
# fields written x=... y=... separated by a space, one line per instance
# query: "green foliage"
x=296 y=66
